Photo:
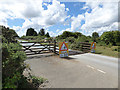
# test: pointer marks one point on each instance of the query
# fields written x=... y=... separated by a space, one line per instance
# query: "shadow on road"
x=37 y=56
x=69 y=58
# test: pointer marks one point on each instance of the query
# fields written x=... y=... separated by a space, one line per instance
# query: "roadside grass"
x=1 y=85
x=108 y=51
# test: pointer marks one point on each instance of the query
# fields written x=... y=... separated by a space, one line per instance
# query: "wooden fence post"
x=82 y=47
x=49 y=44
x=55 y=46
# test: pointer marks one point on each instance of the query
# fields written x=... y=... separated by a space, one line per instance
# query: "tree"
x=31 y=32
x=35 y=33
x=117 y=37
x=47 y=34
x=107 y=37
x=70 y=39
x=77 y=34
x=111 y=37
x=8 y=34
x=95 y=35
x=42 y=32
x=66 y=34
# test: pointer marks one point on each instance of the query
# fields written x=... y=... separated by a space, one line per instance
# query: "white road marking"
x=101 y=71
x=90 y=66
x=96 y=69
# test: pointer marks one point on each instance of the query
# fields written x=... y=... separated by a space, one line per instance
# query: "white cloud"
x=76 y=22
x=102 y=18
x=88 y=0
x=33 y=13
x=60 y=32
x=19 y=30
x=57 y=30
x=85 y=7
x=54 y=14
x=51 y=33
x=45 y=4
x=67 y=9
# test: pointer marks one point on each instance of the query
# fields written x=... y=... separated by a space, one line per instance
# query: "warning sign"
x=63 y=49
x=93 y=47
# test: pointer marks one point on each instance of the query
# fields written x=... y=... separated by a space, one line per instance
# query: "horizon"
x=56 y=17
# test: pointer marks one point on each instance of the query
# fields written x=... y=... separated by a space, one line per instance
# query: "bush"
x=109 y=45
x=118 y=49
x=76 y=46
x=37 y=81
x=111 y=37
x=70 y=39
x=101 y=43
x=115 y=48
x=12 y=61
x=12 y=64
x=8 y=34
x=82 y=39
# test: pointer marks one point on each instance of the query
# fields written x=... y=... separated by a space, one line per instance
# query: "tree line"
x=107 y=38
x=32 y=32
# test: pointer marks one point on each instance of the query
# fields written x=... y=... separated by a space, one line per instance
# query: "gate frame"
x=45 y=46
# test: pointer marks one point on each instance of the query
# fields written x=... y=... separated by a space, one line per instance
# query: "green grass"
x=0 y=85
x=108 y=51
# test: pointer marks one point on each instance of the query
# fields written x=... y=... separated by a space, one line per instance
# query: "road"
x=78 y=71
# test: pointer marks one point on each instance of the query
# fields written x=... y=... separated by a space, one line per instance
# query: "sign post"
x=93 y=47
x=63 y=49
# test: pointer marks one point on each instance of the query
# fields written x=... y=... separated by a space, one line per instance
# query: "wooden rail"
x=49 y=46
x=85 y=46
x=40 y=47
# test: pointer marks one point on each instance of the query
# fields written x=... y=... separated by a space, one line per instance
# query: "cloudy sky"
x=56 y=17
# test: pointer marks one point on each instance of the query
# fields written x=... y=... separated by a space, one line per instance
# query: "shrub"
x=115 y=48
x=8 y=34
x=111 y=37
x=110 y=45
x=12 y=61
x=101 y=43
x=118 y=49
x=12 y=64
x=37 y=81
x=76 y=46
x=70 y=39
x=82 y=39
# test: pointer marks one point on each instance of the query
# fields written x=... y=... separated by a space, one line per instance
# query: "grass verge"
x=108 y=51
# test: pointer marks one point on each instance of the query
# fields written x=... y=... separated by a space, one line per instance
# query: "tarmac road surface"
x=78 y=71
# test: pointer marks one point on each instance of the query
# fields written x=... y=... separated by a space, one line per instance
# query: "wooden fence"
x=49 y=46
x=39 y=47
x=85 y=47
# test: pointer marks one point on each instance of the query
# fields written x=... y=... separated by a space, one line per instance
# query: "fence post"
x=82 y=48
x=55 y=46
x=49 y=45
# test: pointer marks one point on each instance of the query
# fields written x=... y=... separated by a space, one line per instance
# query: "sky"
x=59 y=16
